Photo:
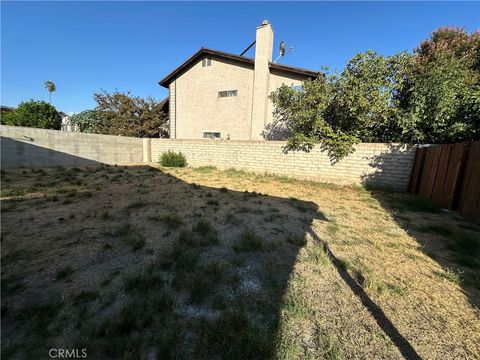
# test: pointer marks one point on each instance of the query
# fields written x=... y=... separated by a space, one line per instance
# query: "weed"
x=450 y=275
x=249 y=241
x=223 y=190
x=232 y=172
x=297 y=240
x=85 y=296
x=234 y=336
x=333 y=227
x=205 y=169
x=232 y=219
x=131 y=235
x=64 y=273
x=206 y=234
x=173 y=159
x=143 y=282
x=172 y=221
x=136 y=204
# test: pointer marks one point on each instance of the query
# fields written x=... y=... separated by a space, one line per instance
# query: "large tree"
x=340 y=110
x=86 y=121
x=37 y=114
x=121 y=113
x=442 y=100
x=430 y=96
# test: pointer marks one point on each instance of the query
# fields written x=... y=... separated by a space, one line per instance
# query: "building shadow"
x=452 y=241
x=201 y=271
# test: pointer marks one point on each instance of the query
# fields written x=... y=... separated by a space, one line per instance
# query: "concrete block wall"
x=30 y=147
x=385 y=165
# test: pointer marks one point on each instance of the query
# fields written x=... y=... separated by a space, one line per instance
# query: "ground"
x=207 y=264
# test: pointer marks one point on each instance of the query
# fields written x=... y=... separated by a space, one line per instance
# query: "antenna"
x=282 y=49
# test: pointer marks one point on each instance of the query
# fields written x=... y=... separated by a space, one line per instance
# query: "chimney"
x=263 y=55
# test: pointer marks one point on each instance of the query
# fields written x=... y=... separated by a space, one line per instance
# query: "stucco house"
x=215 y=94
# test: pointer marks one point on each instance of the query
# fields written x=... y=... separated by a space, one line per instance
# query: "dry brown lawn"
x=141 y=262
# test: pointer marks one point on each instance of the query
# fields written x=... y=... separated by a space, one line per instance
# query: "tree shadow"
x=445 y=236
x=153 y=267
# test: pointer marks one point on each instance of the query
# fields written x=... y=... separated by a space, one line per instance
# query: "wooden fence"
x=449 y=175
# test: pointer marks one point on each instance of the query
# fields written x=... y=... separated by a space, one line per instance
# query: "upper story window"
x=227 y=93
x=206 y=62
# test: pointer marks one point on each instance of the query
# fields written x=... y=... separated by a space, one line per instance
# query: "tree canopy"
x=430 y=96
x=121 y=113
x=37 y=114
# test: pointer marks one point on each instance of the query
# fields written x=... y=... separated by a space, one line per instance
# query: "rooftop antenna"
x=282 y=49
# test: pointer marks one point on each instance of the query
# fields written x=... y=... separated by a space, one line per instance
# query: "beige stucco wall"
x=196 y=108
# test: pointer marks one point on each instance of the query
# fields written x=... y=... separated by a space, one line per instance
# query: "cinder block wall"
x=373 y=164
x=30 y=147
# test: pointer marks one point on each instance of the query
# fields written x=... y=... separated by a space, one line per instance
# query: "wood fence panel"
x=469 y=202
x=417 y=169
x=439 y=190
x=452 y=182
x=449 y=175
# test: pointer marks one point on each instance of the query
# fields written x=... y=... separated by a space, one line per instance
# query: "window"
x=206 y=62
x=227 y=93
x=211 y=135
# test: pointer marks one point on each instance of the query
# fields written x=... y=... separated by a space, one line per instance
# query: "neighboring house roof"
x=220 y=54
x=6 y=108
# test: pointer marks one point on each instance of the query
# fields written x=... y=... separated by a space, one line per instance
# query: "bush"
x=173 y=159
x=36 y=114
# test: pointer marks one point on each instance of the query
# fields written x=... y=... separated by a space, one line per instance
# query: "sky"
x=87 y=47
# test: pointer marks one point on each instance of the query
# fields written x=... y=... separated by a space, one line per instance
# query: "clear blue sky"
x=88 y=46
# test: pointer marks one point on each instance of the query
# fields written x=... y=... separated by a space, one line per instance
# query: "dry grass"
x=182 y=263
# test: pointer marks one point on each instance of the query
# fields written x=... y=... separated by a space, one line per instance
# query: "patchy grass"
x=218 y=266
x=249 y=241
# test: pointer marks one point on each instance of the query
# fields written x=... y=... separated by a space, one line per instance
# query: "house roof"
x=241 y=59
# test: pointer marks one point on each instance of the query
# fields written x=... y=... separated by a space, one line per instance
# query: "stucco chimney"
x=263 y=55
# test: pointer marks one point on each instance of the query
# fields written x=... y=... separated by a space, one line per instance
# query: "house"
x=215 y=94
x=5 y=108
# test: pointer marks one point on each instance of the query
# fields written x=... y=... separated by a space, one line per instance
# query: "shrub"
x=37 y=114
x=173 y=159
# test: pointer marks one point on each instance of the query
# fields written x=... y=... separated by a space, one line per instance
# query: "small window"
x=227 y=93
x=206 y=62
x=211 y=135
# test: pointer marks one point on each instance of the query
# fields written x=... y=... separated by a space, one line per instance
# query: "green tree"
x=37 y=114
x=430 y=96
x=442 y=99
x=50 y=86
x=123 y=114
x=340 y=110
x=86 y=120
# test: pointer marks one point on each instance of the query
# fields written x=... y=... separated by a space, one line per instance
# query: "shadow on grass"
x=446 y=237
x=209 y=284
